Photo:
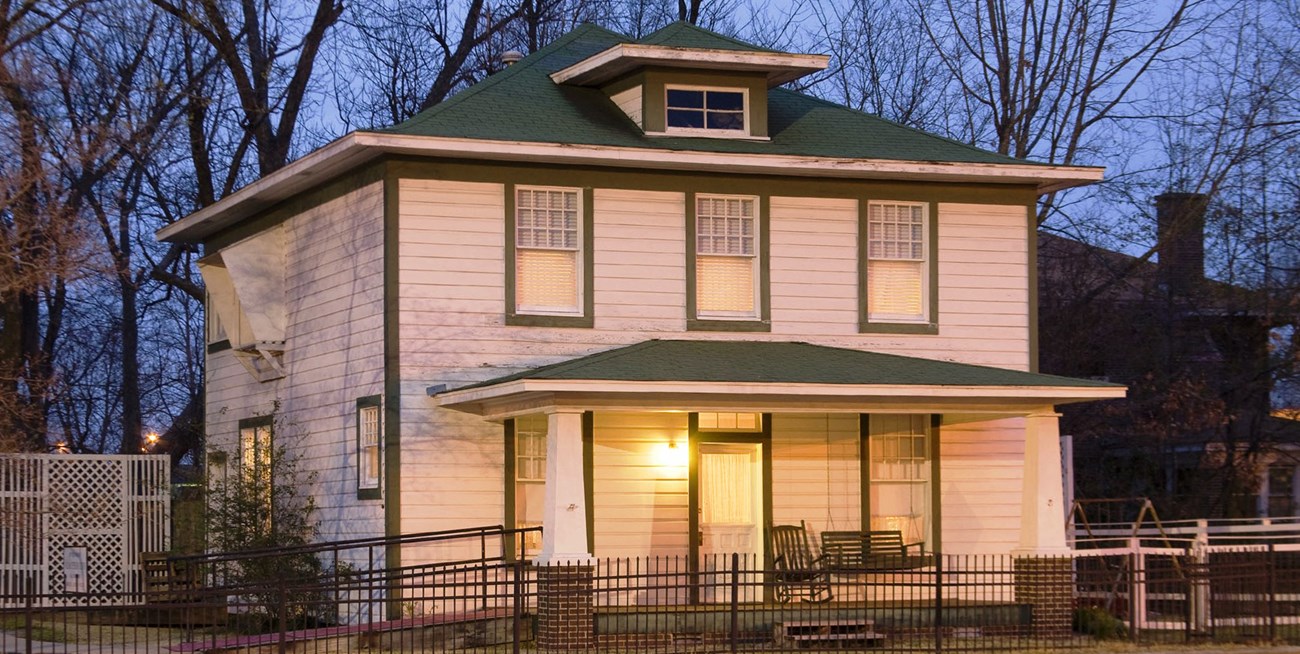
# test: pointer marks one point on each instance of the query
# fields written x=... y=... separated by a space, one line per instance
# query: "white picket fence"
x=1179 y=533
x=1147 y=597
x=75 y=524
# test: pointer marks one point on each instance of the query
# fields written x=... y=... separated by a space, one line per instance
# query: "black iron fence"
x=458 y=591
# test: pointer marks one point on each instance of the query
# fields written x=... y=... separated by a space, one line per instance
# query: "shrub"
x=1097 y=622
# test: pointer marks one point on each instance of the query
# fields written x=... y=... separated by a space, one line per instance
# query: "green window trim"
x=935 y=424
x=375 y=491
x=931 y=324
x=586 y=266
x=511 y=473
x=763 y=322
x=696 y=436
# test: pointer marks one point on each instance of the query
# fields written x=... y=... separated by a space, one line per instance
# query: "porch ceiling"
x=768 y=376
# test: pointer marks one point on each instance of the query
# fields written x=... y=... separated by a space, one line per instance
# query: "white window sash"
x=898 y=270
x=706 y=130
x=369 y=465
x=549 y=268
x=727 y=280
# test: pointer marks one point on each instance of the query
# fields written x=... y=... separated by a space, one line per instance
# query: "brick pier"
x=565 y=615
x=1046 y=585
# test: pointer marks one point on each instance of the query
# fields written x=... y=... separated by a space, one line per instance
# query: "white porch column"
x=564 y=514
x=1042 y=522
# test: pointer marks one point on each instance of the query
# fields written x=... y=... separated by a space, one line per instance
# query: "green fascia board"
x=781 y=363
x=522 y=103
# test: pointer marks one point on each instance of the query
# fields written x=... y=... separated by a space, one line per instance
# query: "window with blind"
x=369 y=447
x=898 y=285
x=726 y=257
x=548 y=251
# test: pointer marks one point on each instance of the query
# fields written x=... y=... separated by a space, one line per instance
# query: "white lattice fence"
x=73 y=526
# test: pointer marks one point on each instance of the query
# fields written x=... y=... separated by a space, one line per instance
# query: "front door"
x=730 y=517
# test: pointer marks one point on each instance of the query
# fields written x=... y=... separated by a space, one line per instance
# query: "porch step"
x=837 y=631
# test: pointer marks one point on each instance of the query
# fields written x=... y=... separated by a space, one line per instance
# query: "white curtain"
x=727 y=484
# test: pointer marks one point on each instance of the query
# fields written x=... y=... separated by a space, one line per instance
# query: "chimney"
x=1180 y=234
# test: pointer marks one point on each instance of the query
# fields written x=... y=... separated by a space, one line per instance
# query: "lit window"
x=748 y=422
x=897 y=285
x=530 y=479
x=369 y=446
x=726 y=257
x=548 y=251
x=255 y=458
x=705 y=110
x=900 y=475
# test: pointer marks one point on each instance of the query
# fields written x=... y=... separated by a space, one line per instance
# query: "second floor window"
x=726 y=257
x=897 y=262
x=705 y=110
x=548 y=251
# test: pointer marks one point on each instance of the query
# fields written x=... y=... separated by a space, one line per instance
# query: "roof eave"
x=357 y=148
x=497 y=398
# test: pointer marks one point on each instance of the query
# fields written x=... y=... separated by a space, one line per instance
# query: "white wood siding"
x=814 y=266
x=640 y=260
x=629 y=100
x=639 y=493
x=981 y=475
x=816 y=476
x=984 y=283
x=451 y=283
x=452 y=331
x=333 y=272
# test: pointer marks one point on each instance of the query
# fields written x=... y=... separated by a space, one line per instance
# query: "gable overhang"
x=357 y=148
x=610 y=64
x=523 y=396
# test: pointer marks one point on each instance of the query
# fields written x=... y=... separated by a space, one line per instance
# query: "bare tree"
x=268 y=68
x=1047 y=76
x=38 y=230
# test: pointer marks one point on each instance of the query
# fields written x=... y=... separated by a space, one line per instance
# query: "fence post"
x=517 y=601
x=1201 y=598
x=482 y=571
x=1137 y=589
x=938 y=602
x=27 y=614
x=735 y=601
x=284 y=620
x=1270 y=568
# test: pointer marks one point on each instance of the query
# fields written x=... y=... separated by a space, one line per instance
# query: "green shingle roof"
x=780 y=362
x=522 y=103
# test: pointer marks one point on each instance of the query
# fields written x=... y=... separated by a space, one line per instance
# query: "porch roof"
x=767 y=375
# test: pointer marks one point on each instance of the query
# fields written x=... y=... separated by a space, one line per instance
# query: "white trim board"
x=356 y=148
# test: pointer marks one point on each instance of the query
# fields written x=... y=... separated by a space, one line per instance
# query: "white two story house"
x=638 y=293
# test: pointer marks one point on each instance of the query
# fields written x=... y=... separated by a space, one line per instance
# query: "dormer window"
x=700 y=110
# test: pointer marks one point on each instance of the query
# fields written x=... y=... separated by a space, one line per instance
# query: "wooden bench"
x=870 y=551
x=167 y=581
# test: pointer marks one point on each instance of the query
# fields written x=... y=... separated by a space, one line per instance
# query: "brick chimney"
x=1180 y=229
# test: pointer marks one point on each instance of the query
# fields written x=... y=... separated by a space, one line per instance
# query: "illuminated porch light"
x=671 y=454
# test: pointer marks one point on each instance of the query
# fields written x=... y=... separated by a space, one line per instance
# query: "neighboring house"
x=638 y=293
x=1196 y=434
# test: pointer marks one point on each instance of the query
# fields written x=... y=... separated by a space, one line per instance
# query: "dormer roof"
x=610 y=64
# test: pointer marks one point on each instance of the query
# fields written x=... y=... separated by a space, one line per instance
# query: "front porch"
x=693 y=448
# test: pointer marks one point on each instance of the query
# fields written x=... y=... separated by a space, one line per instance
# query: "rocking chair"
x=795 y=570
